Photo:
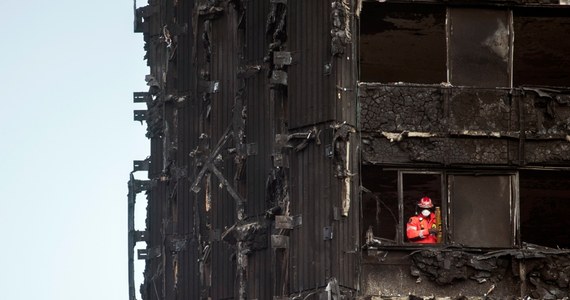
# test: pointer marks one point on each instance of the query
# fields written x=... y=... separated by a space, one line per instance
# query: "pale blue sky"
x=67 y=141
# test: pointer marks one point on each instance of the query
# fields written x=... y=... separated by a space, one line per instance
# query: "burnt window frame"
x=514 y=207
x=515 y=62
x=448 y=45
x=519 y=15
x=402 y=240
x=447 y=204
x=528 y=201
x=444 y=54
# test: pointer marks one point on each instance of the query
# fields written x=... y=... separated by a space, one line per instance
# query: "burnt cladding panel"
x=188 y=281
x=187 y=200
x=479 y=109
x=311 y=186
x=259 y=130
x=347 y=230
x=154 y=277
x=187 y=206
x=172 y=63
x=256 y=99
x=170 y=210
x=545 y=115
x=223 y=271
x=223 y=256
x=158 y=193
x=310 y=91
x=224 y=61
x=224 y=67
x=156 y=158
x=188 y=114
x=259 y=280
x=346 y=80
x=401 y=108
x=184 y=51
x=189 y=278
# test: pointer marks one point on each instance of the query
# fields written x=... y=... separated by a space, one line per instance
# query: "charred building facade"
x=291 y=140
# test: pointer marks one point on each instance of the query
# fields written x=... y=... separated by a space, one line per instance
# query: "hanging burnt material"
x=340 y=33
x=276 y=193
x=342 y=144
x=211 y=8
x=341 y=141
x=206 y=86
x=276 y=35
x=245 y=71
x=298 y=140
x=155 y=109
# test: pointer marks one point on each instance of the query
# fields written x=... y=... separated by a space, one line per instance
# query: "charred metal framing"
x=290 y=140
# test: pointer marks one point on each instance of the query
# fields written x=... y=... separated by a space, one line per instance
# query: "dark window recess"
x=545 y=208
x=541 y=47
x=402 y=43
x=479 y=49
x=416 y=186
x=481 y=210
x=380 y=203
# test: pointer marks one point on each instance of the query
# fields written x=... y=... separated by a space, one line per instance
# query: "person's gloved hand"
x=433 y=231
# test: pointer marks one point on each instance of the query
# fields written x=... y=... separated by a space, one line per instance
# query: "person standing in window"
x=422 y=228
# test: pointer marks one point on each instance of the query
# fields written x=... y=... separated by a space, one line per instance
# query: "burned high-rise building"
x=291 y=141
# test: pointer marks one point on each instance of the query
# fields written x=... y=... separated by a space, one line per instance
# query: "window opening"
x=479 y=51
x=541 y=53
x=390 y=199
x=402 y=43
x=380 y=212
x=417 y=188
x=482 y=210
x=545 y=208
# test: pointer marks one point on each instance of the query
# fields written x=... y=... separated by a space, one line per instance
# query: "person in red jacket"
x=422 y=228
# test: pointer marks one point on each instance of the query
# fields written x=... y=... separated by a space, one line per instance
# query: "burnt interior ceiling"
x=540 y=54
x=402 y=43
x=545 y=207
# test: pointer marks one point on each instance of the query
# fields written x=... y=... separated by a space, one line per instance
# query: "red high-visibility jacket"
x=417 y=229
